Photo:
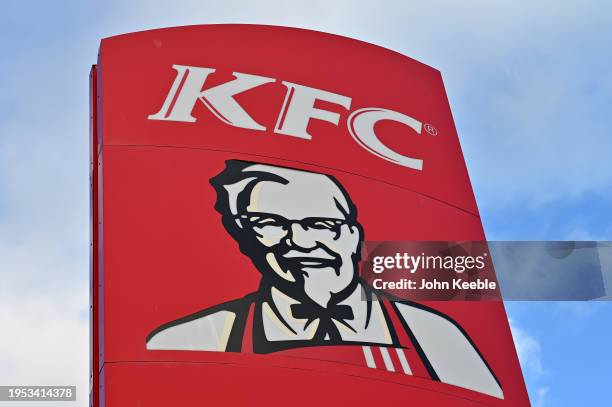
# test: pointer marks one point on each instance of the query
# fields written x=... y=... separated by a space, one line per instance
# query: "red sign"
x=237 y=172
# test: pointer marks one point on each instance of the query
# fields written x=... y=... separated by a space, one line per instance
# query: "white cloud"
x=529 y=351
x=530 y=357
x=44 y=342
x=541 y=398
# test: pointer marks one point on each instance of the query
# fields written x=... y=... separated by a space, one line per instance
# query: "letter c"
x=361 y=126
x=377 y=284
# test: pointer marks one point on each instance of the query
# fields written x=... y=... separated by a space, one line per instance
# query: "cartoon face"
x=300 y=226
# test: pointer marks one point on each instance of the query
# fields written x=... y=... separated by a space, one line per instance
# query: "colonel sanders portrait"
x=301 y=231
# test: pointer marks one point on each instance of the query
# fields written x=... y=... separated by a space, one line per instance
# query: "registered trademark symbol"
x=431 y=129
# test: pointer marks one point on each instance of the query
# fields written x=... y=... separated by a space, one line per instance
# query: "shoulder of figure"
x=449 y=353
x=205 y=330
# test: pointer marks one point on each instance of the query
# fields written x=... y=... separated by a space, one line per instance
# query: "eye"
x=326 y=224
x=264 y=221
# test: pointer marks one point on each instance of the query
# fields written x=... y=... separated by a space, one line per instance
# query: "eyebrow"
x=245 y=215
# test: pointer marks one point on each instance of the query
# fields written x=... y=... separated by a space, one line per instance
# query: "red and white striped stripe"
x=371 y=354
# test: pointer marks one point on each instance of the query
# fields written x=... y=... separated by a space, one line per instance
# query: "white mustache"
x=318 y=253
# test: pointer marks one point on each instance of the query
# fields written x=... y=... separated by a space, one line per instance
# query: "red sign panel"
x=237 y=172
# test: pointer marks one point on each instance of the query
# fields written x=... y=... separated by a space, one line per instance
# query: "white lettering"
x=361 y=126
x=218 y=99
x=297 y=111
x=298 y=108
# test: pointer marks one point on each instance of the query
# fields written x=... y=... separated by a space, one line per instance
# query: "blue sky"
x=531 y=92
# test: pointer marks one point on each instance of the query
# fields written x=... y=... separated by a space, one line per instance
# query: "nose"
x=301 y=237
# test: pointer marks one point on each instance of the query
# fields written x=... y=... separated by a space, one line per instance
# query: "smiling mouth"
x=309 y=262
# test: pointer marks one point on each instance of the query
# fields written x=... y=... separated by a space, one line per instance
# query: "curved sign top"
x=288 y=93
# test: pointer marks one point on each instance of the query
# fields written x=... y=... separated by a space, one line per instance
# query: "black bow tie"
x=327 y=331
x=315 y=311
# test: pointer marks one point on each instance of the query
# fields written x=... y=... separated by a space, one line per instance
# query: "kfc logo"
x=301 y=231
x=297 y=111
